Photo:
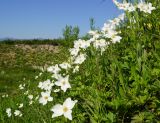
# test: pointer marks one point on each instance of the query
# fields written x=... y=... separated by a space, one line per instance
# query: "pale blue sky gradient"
x=26 y=19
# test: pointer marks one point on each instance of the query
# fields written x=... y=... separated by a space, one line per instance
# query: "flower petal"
x=69 y=103
x=68 y=114
x=57 y=110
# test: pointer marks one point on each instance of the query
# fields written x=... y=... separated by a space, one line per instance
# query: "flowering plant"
x=111 y=77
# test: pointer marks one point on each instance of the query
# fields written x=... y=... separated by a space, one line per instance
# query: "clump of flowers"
x=60 y=77
x=142 y=6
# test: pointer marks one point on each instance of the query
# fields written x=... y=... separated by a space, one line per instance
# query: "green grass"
x=23 y=61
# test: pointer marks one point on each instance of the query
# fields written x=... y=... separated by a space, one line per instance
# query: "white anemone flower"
x=46 y=85
x=100 y=43
x=145 y=7
x=76 y=69
x=17 y=113
x=54 y=69
x=30 y=97
x=45 y=98
x=5 y=96
x=65 y=65
x=21 y=86
x=56 y=76
x=56 y=90
x=65 y=109
x=63 y=83
x=8 y=111
x=81 y=44
x=80 y=59
x=92 y=32
x=26 y=92
x=131 y=8
x=116 y=38
x=20 y=105
x=74 y=51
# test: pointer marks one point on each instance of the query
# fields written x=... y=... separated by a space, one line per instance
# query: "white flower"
x=94 y=33
x=25 y=93
x=37 y=97
x=125 y=6
x=63 y=83
x=65 y=109
x=131 y=8
x=45 y=98
x=8 y=111
x=116 y=38
x=56 y=90
x=74 y=51
x=100 y=43
x=40 y=74
x=36 y=77
x=20 y=105
x=54 y=69
x=81 y=44
x=21 y=86
x=30 y=102
x=76 y=69
x=5 y=96
x=30 y=97
x=46 y=85
x=114 y=22
x=145 y=7
x=107 y=26
x=80 y=59
x=56 y=76
x=65 y=65
x=150 y=8
x=110 y=33
x=17 y=113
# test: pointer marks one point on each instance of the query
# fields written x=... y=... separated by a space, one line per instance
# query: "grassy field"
x=22 y=61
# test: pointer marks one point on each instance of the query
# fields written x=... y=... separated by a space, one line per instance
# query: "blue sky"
x=26 y=19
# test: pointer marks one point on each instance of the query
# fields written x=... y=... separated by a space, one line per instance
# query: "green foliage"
x=70 y=34
x=55 y=42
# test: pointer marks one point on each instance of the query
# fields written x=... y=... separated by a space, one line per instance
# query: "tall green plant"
x=70 y=34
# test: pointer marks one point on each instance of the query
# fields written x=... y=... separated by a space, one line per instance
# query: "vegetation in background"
x=21 y=61
x=70 y=34
x=92 y=24
x=55 y=42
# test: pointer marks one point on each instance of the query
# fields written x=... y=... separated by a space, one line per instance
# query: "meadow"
x=111 y=77
x=20 y=60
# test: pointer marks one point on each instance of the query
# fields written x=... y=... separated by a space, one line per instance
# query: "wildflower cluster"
x=142 y=6
x=61 y=73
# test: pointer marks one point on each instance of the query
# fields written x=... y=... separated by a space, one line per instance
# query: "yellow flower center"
x=65 y=109
x=63 y=83
x=113 y=36
x=46 y=97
